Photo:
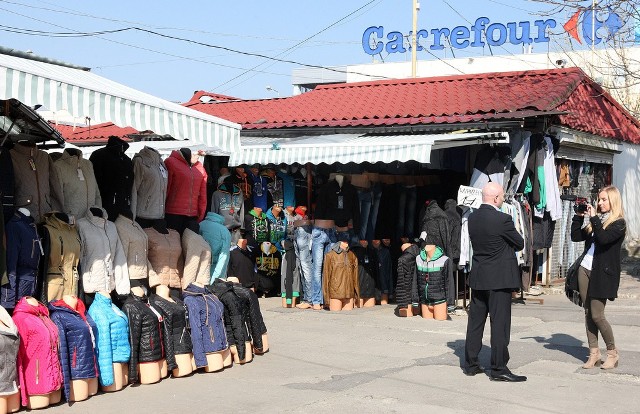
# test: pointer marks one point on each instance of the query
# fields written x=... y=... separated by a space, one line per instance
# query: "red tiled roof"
x=439 y=100
x=94 y=134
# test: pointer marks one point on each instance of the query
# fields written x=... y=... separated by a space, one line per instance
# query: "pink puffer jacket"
x=39 y=369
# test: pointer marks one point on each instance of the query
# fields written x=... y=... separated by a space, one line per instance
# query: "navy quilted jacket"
x=77 y=346
x=112 y=336
x=234 y=314
x=208 y=333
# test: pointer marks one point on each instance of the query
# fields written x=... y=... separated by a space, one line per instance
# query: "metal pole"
x=414 y=43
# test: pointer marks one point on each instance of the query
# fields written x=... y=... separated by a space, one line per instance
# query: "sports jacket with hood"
x=102 y=260
x=227 y=201
x=78 y=183
x=150 y=180
x=256 y=228
x=77 y=343
x=216 y=234
x=433 y=276
x=9 y=344
x=277 y=229
x=39 y=368
x=186 y=187
x=435 y=223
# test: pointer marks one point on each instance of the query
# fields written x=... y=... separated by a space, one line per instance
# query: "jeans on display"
x=322 y=240
x=365 y=197
x=407 y=197
x=302 y=245
x=376 y=195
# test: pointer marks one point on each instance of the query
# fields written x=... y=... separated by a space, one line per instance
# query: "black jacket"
x=339 y=204
x=605 y=270
x=177 y=338
x=435 y=223
x=253 y=317
x=235 y=312
x=406 y=287
x=495 y=241
x=455 y=225
x=114 y=174
x=145 y=333
x=242 y=264
x=367 y=270
x=7 y=182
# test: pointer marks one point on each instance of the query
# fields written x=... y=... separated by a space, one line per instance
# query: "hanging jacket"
x=228 y=202
x=340 y=204
x=150 y=180
x=77 y=343
x=114 y=174
x=433 y=276
x=197 y=259
x=406 y=287
x=145 y=333
x=186 y=187
x=277 y=229
x=165 y=258
x=39 y=368
x=454 y=219
x=9 y=344
x=435 y=223
x=256 y=228
x=177 y=337
x=367 y=270
x=36 y=183
x=268 y=260
x=243 y=182
x=103 y=261
x=385 y=269
x=219 y=239
x=24 y=250
x=77 y=182
x=234 y=314
x=7 y=183
x=254 y=318
x=62 y=252
x=275 y=186
x=288 y=188
x=208 y=333
x=242 y=264
x=111 y=333
x=260 y=196
x=340 y=274
x=135 y=244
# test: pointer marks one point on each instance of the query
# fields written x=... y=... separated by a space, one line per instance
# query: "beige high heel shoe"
x=594 y=359
x=612 y=359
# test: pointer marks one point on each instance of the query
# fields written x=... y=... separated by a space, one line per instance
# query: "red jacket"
x=38 y=361
x=186 y=188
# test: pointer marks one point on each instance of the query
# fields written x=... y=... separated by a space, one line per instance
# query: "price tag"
x=32 y=164
x=469 y=196
x=80 y=175
x=163 y=171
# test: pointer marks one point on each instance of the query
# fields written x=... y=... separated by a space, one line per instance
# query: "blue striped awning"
x=85 y=94
x=357 y=148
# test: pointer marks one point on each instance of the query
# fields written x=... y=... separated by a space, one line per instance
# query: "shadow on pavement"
x=568 y=344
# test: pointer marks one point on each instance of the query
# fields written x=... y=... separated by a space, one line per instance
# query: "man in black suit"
x=494 y=275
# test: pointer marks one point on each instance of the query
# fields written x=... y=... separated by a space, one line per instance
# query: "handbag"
x=571 y=282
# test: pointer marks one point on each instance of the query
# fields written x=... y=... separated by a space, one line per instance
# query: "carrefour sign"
x=375 y=40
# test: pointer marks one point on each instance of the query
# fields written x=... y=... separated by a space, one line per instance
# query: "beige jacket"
x=36 y=183
x=150 y=179
x=197 y=262
x=165 y=258
x=135 y=244
x=78 y=183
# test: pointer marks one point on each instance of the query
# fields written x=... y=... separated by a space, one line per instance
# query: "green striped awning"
x=357 y=148
x=85 y=94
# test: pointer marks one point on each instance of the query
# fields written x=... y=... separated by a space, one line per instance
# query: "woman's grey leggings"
x=594 y=313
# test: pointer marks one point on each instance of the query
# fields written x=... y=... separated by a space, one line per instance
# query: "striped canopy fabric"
x=345 y=148
x=84 y=94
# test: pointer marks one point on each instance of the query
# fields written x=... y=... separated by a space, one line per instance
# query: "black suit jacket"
x=495 y=241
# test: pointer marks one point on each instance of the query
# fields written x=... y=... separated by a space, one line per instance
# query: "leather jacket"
x=177 y=336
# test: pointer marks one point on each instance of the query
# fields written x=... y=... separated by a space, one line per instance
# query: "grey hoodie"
x=78 y=183
x=149 y=184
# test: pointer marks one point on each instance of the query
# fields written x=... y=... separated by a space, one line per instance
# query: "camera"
x=581 y=205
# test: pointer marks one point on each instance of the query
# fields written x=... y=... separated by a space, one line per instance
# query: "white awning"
x=84 y=94
x=345 y=148
x=163 y=147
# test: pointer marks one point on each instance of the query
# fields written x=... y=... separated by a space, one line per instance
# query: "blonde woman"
x=599 y=271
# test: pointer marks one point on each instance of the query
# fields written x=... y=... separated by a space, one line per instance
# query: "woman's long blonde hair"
x=615 y=201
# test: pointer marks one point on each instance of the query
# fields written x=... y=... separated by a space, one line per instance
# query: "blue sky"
x=174 y=69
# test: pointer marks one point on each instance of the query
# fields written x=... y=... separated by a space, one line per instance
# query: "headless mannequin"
x=9 y=403
x=439 y=311
x=232 y=352
x=150 y=372
x=80 y=389
x=120 y=369
x=409 y=310
x=186 y=153
x=182 y=360
x=42 y=401
x=346 y=303
x=366 y=302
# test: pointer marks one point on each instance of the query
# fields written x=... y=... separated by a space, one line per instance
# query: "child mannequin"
x=437 y=311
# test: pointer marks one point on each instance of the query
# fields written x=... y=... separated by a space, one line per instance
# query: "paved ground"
x=370 y=361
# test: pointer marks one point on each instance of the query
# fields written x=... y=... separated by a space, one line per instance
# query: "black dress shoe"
x=470 y=372
x=508 y=377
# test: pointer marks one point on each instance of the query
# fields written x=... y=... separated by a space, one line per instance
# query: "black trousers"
x=496 y=304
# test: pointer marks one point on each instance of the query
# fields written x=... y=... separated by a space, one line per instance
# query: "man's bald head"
x=492 y=193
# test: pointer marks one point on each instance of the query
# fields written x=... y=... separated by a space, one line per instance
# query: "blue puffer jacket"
x=217 y=235
x=112 y=336
x=23 y=255
x=77 y=353
x=208 y=333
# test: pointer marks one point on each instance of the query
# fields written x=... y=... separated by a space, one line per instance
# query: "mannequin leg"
x=348 y=304
x=93 y=386
x=215 y=362
x=427 y=311
x=10 y=403
x=368 y=302
x=184 y=365
x=56 y=396
x=79 y=390
x=440 y=312
x=335 y=304
x=227 y=358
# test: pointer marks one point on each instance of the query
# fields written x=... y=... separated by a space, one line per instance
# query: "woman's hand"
x=591 y=210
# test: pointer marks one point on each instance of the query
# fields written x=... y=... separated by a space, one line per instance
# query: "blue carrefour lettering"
x=460 y=37
x=396 y=43
x=542 y=30
x=491 y=32
x=366 y=38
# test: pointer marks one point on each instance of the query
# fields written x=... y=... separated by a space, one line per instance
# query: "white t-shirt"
x=587 y=261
